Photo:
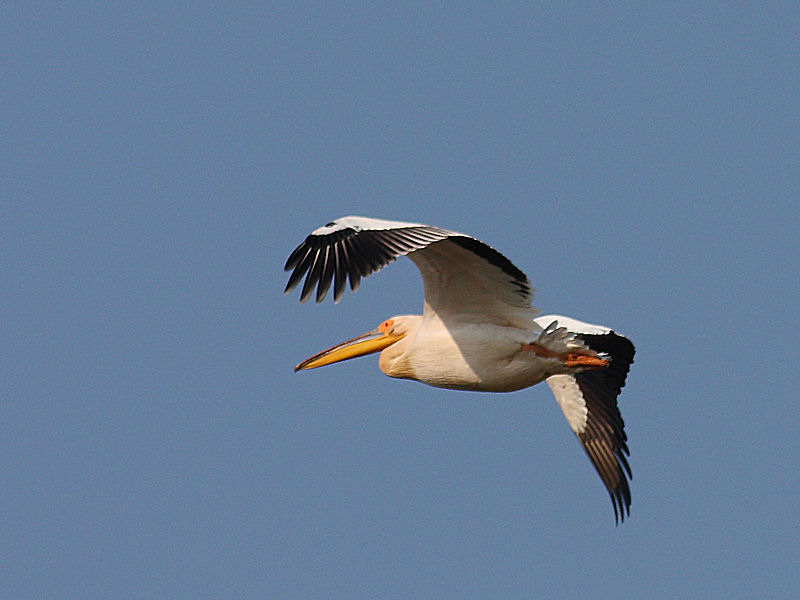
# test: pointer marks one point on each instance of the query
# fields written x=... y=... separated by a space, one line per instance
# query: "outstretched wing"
x=462 y=275
x=589 y=403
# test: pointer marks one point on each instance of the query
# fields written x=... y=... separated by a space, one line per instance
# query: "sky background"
x=640 y=162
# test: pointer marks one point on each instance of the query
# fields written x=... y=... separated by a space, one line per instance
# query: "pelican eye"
x=386 y=326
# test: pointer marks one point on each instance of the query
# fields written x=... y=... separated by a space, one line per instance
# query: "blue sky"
x=639 y=163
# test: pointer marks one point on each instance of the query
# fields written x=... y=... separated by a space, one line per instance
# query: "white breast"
x=469 y=356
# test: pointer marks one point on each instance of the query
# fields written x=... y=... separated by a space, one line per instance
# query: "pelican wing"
x=461 y=275
x=589 y=403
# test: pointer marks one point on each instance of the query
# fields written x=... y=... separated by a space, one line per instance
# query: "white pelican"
x=478 y=330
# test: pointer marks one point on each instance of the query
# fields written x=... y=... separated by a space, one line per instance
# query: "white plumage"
x=478 y=329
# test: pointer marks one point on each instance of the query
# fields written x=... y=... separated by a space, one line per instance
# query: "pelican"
x=478 y=330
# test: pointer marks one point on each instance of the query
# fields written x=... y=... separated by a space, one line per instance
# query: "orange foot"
x=571 y=360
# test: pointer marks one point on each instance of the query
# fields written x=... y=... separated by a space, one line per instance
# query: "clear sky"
x=641 y=164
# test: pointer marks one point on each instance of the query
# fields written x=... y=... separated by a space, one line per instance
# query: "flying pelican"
x=478 y=330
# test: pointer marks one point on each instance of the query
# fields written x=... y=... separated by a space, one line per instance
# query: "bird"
x=478 y=330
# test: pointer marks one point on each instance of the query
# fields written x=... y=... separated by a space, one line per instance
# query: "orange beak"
x=368 y=343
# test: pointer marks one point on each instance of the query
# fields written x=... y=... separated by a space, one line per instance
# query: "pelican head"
x=382 y=339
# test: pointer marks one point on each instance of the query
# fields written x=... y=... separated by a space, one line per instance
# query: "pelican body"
x=478 y=330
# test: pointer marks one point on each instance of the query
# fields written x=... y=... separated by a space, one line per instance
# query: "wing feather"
x=313 y=275
x=296 y=260
x=589 y=401
x=340 y=255
x=328 y=269
x=462 y=275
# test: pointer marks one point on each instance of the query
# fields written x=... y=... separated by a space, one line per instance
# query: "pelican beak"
x=370 y=342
